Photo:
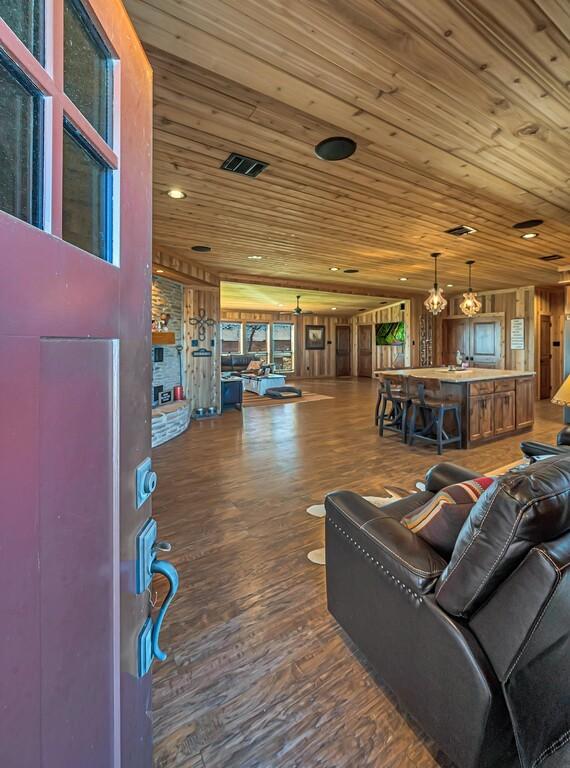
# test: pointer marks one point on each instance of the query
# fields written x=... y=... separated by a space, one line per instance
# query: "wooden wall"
x=509 y=303
x=550 y=301
x=202 y=373
x=384 y=357
x=314 y=363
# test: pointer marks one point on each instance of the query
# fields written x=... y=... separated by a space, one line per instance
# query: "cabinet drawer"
x=481 y=388
x=504 y=385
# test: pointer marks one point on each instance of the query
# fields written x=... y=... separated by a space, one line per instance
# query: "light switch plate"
x=145 y=648
x=145 y=555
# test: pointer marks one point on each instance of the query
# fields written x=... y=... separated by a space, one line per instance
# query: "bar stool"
x=433 y=410
x=394 y=394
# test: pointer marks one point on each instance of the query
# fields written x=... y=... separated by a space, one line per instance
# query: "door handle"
x=169 y=571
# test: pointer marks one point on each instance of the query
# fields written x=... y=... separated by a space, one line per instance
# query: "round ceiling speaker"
x=351 y=271
x=528 y=224
x=201 y=248
x=335 y=148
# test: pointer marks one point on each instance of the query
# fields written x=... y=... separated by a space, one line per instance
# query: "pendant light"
x=436 y=301
x=470 y=305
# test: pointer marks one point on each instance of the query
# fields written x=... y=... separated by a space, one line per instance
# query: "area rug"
x=250 y=399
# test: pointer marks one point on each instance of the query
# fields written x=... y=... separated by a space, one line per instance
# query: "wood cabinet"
x=524 y=403
x=504 y=412
x=481 y=417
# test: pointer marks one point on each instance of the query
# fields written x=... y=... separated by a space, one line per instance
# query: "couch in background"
x=232 y=363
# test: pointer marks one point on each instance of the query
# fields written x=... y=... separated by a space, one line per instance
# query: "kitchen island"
x=494 y=403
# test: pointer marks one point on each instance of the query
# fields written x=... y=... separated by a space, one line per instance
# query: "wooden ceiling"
x=264 y=298
x=461 y=112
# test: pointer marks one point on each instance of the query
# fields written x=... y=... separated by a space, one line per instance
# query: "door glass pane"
x=231 y=338
x=256 y=340
x=86 y=198
x=25 y=18
x=87 y=68
x=282 y=346
x=20 y=146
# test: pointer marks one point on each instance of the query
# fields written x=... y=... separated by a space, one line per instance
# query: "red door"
x=75 y=242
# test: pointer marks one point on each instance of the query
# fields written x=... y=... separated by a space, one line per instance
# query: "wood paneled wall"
x=317 y=363
x=510 y=303
x=202 y=373
x=550 y=301
x=384 y=357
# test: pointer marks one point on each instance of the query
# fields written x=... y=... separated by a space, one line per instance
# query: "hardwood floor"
x=258 y=674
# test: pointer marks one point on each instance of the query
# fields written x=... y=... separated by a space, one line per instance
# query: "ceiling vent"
x=245 y=166
x=460 y=231
x=552 y=257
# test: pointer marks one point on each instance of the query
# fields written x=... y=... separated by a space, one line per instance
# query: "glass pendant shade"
x=436 y=301
x=470 y=305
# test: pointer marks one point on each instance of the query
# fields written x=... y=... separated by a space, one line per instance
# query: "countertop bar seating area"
x=448 y=406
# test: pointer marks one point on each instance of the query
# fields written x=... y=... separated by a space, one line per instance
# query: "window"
x=231 y=338
x=25 y=19
x=87 y=68
x=20 y=145
x=282 y=346
x=256 y=340
x=86 y=196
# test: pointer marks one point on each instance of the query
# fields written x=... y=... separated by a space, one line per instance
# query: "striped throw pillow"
x=441 y=518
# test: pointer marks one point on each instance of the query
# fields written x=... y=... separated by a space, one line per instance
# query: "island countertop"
x=464 y=376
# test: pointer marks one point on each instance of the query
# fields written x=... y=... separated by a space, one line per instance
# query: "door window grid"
x=48 y=81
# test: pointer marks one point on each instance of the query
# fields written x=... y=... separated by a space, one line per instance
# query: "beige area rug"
x=250 y=399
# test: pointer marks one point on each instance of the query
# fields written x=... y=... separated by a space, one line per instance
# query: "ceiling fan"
x=297 y=310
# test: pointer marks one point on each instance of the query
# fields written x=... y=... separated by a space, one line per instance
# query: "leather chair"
x=476 y=649
x=533 y=450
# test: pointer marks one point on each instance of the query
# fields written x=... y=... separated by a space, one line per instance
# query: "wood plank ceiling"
x=461 y=112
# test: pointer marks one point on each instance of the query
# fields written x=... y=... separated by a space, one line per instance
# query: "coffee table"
x=260 y=384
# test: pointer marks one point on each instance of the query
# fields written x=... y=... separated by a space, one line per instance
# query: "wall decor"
x=517 y=333
x=202 y=352
x=314 y=337
x=165 y=397
x=202 y=323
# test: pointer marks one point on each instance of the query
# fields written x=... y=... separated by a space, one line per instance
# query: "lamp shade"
x=562 y=397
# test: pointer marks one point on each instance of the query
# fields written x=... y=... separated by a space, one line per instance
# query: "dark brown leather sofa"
x=234 y=363
x=477 y=649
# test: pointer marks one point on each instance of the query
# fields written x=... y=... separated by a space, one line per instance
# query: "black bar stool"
x=397 y=397
x=433 y=410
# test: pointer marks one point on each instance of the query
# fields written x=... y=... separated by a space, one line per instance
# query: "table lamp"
x=562 y=397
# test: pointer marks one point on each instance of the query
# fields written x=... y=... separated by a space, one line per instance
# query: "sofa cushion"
x=440 y=520
x=523 y=508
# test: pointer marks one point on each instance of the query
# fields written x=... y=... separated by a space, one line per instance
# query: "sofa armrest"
x=408 y=559
x=533 y=450
x=441 y=475
x=563 y=437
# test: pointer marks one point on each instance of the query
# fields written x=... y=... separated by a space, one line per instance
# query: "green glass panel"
x=25 y=18
x=20 y=146
x=86 y=198
x=87 y=68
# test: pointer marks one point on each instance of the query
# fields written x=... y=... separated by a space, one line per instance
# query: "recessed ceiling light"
x=403 y=279
x=159 y=271
x=280 y=305
x=201 y=248
x=255 y=258
x=333 y=307
x=335 y=148
x=528 y=224
x=529 y=235
x=176 y=194
x=351 y=271
x=449 y=285
x=333 y=269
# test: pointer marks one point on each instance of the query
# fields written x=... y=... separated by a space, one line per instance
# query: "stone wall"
x=167 y=297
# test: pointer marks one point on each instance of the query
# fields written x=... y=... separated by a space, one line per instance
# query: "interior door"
x=545 y=357
x=343 y=351
x=75 y=228
x=487 y=344
x=365 y=350
x=456 y=337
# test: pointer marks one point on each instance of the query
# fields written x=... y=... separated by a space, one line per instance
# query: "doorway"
x=545 y=357
x=343 y=351
x=365 y=350
x=480 y=340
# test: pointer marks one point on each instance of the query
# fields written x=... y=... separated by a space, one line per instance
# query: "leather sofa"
x=232 y=363
x=476 y=649
x=534 y=450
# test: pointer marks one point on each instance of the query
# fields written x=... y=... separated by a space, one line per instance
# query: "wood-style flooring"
x=258 y=674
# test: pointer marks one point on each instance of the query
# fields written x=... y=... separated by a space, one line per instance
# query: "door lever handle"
x=169 y=571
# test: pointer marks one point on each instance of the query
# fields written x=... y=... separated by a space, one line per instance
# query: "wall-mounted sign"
x=165 y=397
x=517 y=333
x=202 y=352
